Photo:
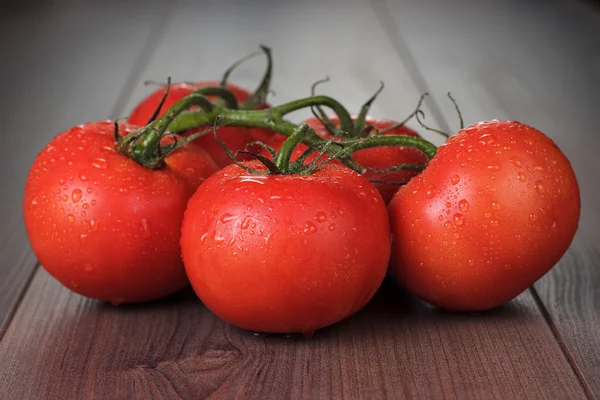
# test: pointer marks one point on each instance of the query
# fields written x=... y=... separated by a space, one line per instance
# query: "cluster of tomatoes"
x=295 y=250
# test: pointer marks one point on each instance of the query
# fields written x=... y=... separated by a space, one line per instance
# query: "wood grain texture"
x=61 y=345
x=538 y=63
x=68 y=347
x=64 y=65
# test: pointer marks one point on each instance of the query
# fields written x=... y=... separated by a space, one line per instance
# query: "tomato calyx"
x=281 y=163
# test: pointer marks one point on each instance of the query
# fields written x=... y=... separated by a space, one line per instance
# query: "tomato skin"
x=103 y=225
x=285 y=253
x=235 y=138
x=495 y=209
x=377 y=157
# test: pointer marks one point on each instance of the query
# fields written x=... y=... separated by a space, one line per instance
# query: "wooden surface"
x=69 y=63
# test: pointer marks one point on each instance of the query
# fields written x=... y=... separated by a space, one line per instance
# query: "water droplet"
x=447 y=225
x=99 y=163
x=87 y=267
x=217 y=237
x=471 y=262
x=522 y=177
x=321 y=216
x=455 y=179
x=494 y=223
x=74 y=284
x=225 y=218
x=310 y=228
x=65 y=198
x=463 y=205
x=496 y=206
x=76 y=195
x=83 y=178
x=487 y=138
x=533 y=217
x=459 y=219
x=85 y=206
x=440 y=218
x=553 y=225
x=517 y=163
x=448 y=204
x=34 y=202
x=145 y=228
x=538 y=168
x=332 y=227
x=245 y=223
x=493 y=167
x=430 y=193
x=94 y=224
x=83 y=238
x=71 y=218
x=539 y=186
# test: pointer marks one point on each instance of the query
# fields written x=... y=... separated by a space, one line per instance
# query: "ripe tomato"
x=105 y=226
x=495 y=209
x=377 y=157
x=235 y=138
x=285 y=253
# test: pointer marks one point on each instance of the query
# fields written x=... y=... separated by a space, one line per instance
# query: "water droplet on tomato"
x=76 y=195
x=321 y=216
x=539 y=186
x=34 y=202
x=83 y=238
x=245 y=223
x=471 y=262
x=448 y=204
x=494 y=223
x=87 y=267
x=533 y=217
x=463 y=205
x=493 y=167
x=496 y=206
x=447 y=225
x=459 y=219
x=516 y=162
x=71 y=218
x=430 y=193
x=553 y=225
x=522 y=176
x=217 y=237
x=310 y=228
x=74 y=284
x=440 y=218
x=99 y=163
x=332 y=227
x=225 y=218
x=455 y=179
x=94 y=224
x=145 y=228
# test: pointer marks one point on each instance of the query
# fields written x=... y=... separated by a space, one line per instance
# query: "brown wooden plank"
x=542 y=69
x=63 y=65
x=64 y=346
x=68 y=347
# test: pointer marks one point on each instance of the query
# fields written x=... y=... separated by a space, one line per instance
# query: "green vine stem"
x=144 y=145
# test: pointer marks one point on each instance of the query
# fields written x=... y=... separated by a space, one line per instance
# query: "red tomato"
x=105 y=226
x=377 y=157
x=495 y=209
x=235 y=138
x=285 y=253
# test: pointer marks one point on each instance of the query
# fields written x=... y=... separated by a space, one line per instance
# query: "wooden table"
x=538 y=62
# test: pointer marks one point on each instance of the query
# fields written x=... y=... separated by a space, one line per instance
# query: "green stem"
x=282 y=159
x=194 y=119
x=395 y=140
